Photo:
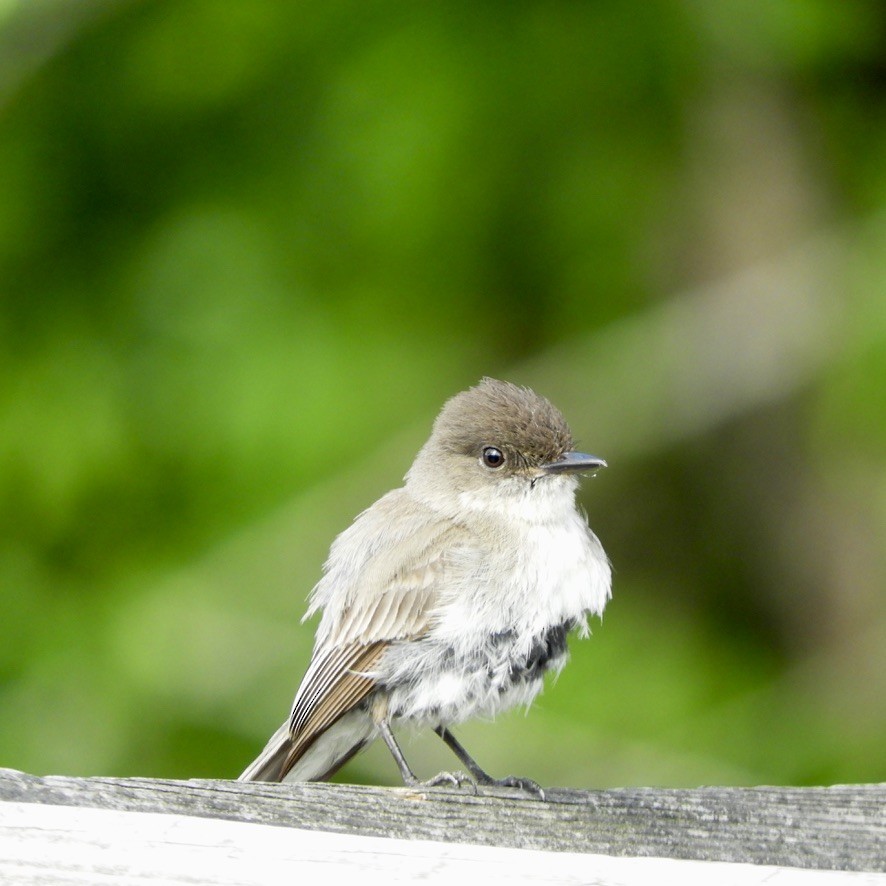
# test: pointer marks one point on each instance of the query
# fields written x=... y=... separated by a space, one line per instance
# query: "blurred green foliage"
x=247 y=250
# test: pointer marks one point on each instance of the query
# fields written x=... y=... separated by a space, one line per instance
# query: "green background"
x=248 y=249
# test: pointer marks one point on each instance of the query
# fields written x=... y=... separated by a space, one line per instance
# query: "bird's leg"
x=483 y=777
x=388 y=736
x=459 y=751
x=454 y=778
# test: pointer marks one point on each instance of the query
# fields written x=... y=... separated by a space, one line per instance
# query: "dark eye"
x=492 y=457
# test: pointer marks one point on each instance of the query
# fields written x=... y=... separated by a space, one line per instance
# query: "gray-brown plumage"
x=451 y=596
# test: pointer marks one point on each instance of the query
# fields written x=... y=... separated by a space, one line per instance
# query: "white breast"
x=498 y=606
x=540 y=567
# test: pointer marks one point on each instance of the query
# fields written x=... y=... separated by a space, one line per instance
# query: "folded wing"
x=380 y=586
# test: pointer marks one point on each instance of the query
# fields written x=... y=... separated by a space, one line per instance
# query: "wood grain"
x=833 y=828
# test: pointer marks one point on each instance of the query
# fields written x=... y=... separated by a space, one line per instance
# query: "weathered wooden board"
x=835 y=828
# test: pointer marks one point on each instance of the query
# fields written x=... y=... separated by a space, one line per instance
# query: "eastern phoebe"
x=452 y=596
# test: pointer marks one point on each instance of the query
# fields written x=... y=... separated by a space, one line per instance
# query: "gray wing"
x=382 y=583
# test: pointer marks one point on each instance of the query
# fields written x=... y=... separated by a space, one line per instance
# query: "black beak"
x=574 y=461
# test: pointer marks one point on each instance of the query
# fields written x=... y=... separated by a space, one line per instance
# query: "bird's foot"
x=515 y=781
x=455 y=779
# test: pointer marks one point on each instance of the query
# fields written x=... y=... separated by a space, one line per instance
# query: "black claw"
x=515 y=781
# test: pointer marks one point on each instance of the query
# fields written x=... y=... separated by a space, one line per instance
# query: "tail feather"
x=268 y=765
x=318 y=761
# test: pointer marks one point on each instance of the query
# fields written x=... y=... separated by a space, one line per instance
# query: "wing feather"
x=382 y=583
x=350 y=686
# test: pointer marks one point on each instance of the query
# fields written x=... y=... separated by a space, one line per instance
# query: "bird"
x=451 y=596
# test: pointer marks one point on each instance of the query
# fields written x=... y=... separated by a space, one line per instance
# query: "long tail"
x=320 y=760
